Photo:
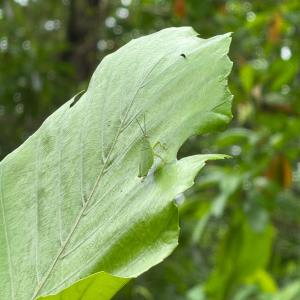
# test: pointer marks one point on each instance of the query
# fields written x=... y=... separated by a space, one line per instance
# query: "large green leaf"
x=72 y=204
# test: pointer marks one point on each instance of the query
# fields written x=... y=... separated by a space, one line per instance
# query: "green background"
x=240 y=224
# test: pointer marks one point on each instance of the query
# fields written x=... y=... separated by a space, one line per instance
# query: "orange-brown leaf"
x=180 y=8
x=275 y=28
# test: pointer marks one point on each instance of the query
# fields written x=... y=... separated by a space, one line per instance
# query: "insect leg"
x=158 y=143
x=159 y=156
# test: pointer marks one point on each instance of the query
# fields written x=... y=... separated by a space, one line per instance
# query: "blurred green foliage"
x=240 y=224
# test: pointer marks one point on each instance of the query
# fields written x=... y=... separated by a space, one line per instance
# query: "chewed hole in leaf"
x=76 y=98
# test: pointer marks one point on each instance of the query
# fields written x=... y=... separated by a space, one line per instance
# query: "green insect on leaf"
x=146 y=158
x=146 y=153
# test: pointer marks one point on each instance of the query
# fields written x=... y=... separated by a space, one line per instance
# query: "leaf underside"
x=76 y=221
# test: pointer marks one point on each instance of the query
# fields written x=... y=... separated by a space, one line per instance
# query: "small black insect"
x=183 y=55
